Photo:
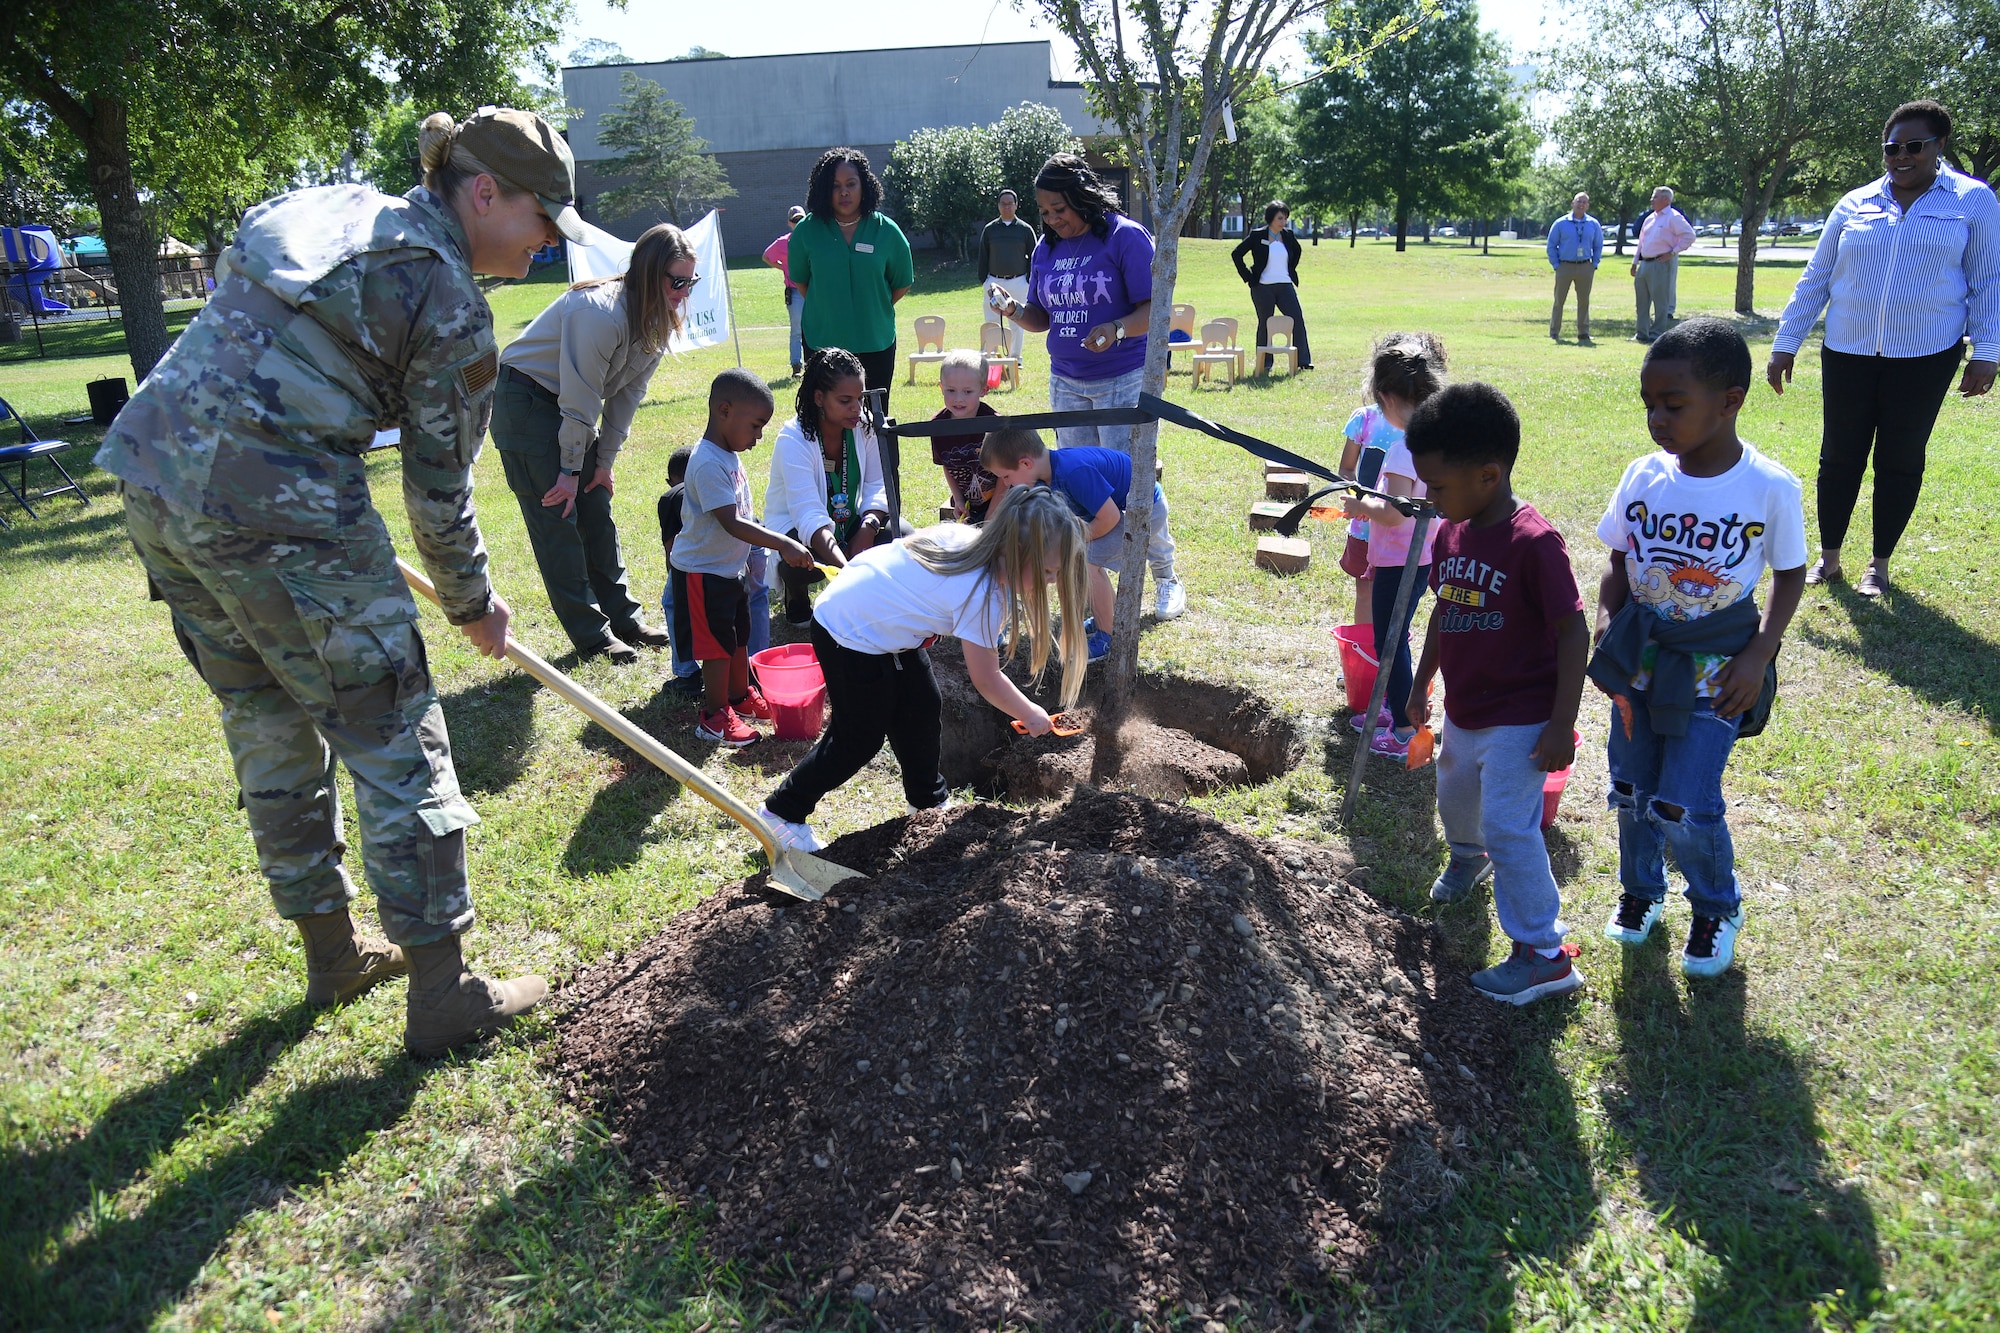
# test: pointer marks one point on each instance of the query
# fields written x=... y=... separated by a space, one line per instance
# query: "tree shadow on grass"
x=492 y=732
x=64 y=529
x=613 y=833
x=128 y=1268
x=1918 y=647
x=1719 y=1118
x=42 y=1188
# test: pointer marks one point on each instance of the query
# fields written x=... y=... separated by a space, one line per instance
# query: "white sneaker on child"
x=1170 y=600
x=791 y=836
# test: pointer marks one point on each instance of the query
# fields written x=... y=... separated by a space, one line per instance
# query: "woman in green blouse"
x=852 y=263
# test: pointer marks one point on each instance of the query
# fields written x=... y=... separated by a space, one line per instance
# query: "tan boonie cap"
x=525 y=151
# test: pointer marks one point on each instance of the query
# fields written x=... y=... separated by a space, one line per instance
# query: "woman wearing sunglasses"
x=1907 y=270
x=568 y=388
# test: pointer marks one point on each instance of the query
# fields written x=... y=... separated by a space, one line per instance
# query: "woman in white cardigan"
x=826 y=476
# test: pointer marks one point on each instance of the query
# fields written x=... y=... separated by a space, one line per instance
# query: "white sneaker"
x=948 y=803
x=1171 y=600
x=1711 y=945
x=795 y=837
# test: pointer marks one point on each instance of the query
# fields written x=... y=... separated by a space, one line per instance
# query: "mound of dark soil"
x=1163 y=762
x=1113 y=1057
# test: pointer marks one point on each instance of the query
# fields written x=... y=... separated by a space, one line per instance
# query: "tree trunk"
x=128 y=241
x=1485 y=237
x=1353 y=227
x=1756 y=207
x=1122 y=667
x=1402 y=226
x=1623 y=217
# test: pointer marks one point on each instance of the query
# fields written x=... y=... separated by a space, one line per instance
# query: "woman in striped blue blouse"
x=1907 y=270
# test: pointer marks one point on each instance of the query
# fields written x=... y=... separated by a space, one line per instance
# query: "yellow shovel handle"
x=623 y=728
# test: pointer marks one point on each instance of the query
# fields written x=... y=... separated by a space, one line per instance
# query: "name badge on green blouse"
x=863 y=247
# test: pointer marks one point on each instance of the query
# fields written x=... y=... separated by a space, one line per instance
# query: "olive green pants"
x=312 y=649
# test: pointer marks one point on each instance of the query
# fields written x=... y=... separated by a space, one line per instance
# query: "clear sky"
x=656 y=29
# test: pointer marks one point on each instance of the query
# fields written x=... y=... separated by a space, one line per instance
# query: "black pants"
x=871 y=697
x=1283 y=298
x=1887 y=404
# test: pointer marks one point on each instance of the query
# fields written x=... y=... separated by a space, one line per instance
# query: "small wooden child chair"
x=1183 y=320
x=1278 y=329
x=1215 y=351
x=930 y=333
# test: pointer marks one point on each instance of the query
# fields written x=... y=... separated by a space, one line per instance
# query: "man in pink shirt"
x=775 y=254
x=1663 y=234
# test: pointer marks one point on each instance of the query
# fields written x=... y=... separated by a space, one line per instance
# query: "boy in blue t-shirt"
x=1097 y=483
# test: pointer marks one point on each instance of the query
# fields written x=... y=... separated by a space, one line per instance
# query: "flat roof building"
x=767 y=119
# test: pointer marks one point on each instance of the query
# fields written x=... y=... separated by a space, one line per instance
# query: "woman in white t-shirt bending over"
x=871 y=627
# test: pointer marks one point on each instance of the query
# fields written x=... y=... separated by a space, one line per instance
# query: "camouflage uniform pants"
x=312 y=648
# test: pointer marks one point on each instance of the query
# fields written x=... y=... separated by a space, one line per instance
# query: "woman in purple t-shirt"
x=1090 y=288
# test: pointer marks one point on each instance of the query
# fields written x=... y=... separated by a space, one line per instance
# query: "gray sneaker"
x=1526 y=976
x=1460 y=877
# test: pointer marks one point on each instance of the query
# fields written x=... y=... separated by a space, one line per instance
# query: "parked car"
x=1447 y=231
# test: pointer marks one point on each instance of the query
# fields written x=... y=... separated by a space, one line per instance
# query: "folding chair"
x=1278 y=328
x=1214 y=350
x=33 y=446
x=1183 y=320
x=993 y=346
x=930 y=333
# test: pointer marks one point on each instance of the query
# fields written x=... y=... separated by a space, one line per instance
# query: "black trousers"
x=1886 y=404
x=1281 y=298
x=871 y=697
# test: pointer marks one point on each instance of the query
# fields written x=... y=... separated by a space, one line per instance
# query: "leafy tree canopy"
x=665 y=167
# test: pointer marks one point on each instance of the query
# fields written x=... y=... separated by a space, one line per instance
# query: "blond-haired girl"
x=871 y=627
x=568 y=388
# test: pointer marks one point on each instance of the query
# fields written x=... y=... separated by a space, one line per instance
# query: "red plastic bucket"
x=994 y=374
x=1552 y=789
x=793 y=685
x=1357 y=663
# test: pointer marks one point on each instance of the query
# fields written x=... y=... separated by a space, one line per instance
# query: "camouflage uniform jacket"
x=338 y=312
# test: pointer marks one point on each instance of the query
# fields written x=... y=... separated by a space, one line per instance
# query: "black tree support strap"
x=1150 y=409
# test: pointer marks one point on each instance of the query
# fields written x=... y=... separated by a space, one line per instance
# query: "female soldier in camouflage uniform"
x=339 y=312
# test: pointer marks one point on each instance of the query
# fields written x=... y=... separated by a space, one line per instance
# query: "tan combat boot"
x=340 y=962
x=449 y=1006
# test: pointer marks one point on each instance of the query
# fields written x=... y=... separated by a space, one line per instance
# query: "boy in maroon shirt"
x=1509 y=633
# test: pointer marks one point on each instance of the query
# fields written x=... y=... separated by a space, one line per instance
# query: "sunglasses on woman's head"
x=1907 y=148
x=682 y=284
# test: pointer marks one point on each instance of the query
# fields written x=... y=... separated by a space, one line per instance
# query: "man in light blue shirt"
x=1576 y=244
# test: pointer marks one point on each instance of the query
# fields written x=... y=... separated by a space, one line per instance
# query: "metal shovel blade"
x=800 y=874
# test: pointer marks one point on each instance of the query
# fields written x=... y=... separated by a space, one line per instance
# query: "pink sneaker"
x=1382 y=720
x=1386 y=744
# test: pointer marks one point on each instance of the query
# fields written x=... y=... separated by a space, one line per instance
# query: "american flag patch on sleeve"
x=475 y=377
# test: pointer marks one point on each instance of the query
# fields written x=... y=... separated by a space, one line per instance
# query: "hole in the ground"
x=1186 y=737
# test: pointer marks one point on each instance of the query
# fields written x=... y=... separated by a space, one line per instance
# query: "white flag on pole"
x=705 y=317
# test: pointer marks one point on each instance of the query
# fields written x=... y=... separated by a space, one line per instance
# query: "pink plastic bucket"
x=1357 y=663
x=995 y=373
x=792 y=683
x=1552 y=789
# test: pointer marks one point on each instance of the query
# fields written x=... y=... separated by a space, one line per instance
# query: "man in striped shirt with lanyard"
x=1663 y=234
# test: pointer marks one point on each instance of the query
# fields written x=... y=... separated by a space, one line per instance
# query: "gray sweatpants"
x=1489 y=796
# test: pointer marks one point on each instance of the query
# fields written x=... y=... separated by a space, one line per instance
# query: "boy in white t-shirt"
x=1687 y=659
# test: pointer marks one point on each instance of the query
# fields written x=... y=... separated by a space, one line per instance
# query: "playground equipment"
x=32 y=259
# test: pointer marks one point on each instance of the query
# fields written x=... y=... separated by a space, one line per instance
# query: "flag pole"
x=728 y=295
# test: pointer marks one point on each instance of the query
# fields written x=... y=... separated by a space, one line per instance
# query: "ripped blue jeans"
x=1667 y=791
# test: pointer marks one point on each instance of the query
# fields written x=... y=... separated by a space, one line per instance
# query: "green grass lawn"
x=1807 y=1142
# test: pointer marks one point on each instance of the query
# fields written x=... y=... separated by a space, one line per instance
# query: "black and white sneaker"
x=1634 y=920
x=1711 y=945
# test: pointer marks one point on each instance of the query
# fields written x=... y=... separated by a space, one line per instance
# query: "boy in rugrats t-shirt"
x=1508 y=634
x=1682 y=649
